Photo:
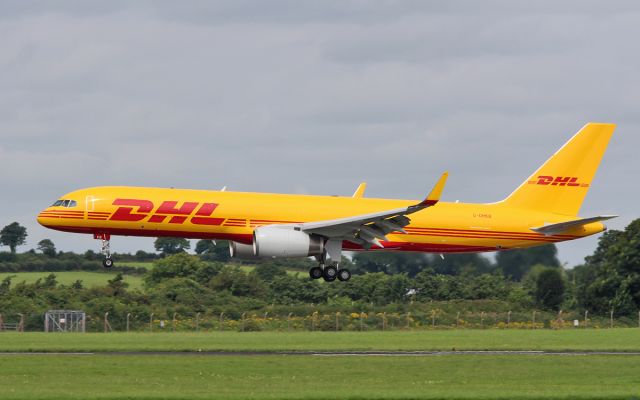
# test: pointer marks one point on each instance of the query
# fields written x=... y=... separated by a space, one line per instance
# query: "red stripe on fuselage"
x=245 y=238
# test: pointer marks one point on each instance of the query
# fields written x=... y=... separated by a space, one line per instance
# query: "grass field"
x=88 y=279
x=309 y=377
x=135 y=264
x=246 y=268
x=276 y=376
x=623 y=339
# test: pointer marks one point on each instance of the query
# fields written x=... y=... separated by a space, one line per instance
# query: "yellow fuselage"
x=197 y=214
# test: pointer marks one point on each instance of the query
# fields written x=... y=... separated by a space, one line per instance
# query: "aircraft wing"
x=368 y=229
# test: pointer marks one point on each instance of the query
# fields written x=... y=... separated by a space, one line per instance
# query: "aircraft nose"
x=43 y=217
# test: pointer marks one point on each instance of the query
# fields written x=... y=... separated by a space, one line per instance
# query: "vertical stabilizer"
x=560 y=184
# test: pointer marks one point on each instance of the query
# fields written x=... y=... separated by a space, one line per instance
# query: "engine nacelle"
x=241 y=250
x=285 y=242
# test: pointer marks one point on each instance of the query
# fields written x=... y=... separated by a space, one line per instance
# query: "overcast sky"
x=311 y=97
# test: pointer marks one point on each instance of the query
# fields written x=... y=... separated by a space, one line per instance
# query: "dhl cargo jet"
x=543 y=209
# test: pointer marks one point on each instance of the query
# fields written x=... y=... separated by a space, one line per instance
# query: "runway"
x=332 y=354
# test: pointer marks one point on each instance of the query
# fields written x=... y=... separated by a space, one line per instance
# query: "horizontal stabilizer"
x=554 y=229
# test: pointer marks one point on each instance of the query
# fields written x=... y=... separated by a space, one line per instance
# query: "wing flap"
x=368 y=229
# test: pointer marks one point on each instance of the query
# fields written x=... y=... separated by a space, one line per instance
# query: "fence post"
x=197 y=322
x=221 y=320
x=458 y=320
x=433 y=318
x=337 y=321
x=242 y=316
x=586 y=318
x=508 y=319
x=482 y=319
x=289 y=321
x=313 y=321
x=128 y=315
x=151 y=322
x=611 y=318
x=560 y=320
x=21 y=324
x=107 y=326
x=362 y=321
x=408 y=320
x=173 y=322
x=384 y=320
x=533 y=322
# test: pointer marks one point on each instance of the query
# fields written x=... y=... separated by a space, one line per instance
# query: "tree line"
x=188 y=284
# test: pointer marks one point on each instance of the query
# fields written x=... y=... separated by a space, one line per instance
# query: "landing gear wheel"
x=107 y=262
x=344 y=275
x=330 y=274
x=315 y=273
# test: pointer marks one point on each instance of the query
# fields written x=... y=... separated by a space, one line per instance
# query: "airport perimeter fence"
x=355 y=321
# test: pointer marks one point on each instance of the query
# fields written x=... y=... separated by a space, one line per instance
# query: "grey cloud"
x=310 y=97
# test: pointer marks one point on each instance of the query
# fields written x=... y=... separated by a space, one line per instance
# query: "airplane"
x=543 y=209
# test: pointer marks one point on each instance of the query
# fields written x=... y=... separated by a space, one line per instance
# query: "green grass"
x=197 y=376
x=309 y=377
x=135 y=264
x=88 y=279
x=292 y=272
x=622 y=339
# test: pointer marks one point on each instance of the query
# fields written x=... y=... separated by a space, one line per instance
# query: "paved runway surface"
x=334 y=354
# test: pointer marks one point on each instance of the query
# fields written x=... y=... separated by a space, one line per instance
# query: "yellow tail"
x=560 y=184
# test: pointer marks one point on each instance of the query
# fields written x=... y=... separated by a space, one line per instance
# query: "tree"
x=171 y=245
x=610 y=278
x=47 y=247
x=516 y=263
x=213 y=251
x=389 y=263
x=457 y=264
x=117 y=284
x=182 y=265
x=13 y=235
x=550 y=288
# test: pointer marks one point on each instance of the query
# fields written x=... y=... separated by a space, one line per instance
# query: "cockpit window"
x=64 y=203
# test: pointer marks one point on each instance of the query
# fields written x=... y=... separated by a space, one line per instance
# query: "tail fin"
x=560 y=184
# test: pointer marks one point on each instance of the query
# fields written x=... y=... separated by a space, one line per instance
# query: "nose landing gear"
x=105 y=248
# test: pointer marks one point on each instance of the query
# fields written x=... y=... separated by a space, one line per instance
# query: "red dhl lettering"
x=558 y=181
x=134 y=210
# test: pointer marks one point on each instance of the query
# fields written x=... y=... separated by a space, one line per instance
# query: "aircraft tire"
x=344 y=275
x=315 y=273
x=107 y=263
x=330 y=273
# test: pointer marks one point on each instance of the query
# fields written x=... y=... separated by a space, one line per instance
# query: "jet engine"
x=241 y=250
x=275 y=242
x=278 y=242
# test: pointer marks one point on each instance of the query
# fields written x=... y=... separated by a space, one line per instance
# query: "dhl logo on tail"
x=558 y=181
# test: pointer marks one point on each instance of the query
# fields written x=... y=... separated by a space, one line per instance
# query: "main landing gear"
x=328 y=263
x=330 y=273
x=105 y=248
